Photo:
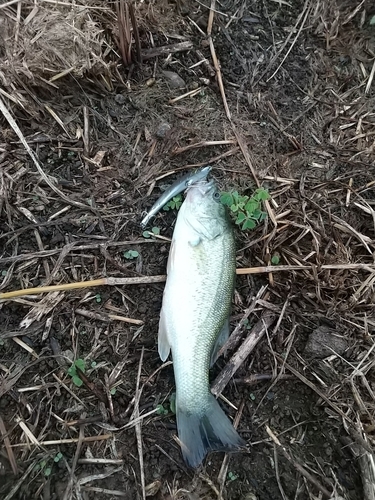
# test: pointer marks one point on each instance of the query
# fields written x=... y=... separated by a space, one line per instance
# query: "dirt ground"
x=298 y=81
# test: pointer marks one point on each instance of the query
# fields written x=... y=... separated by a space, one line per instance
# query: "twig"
x=161 y=278
x=202 y=144
x=138 y=431
x=370 y=79
x=8 y=447
x=255 y=335
x=84 y=284
x=69 y=487
x=235 y=336
x=215 y=60
x=108 y=317
x=304 y=14
x=69 y=247
x=276 y=462
x=191 y=93
x=166 y=50
x=88 y=439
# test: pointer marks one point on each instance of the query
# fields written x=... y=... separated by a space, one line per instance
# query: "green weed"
x=155 y=231
x=131 y=254
x=174 y=203
x=72 y=372
x=246 y=210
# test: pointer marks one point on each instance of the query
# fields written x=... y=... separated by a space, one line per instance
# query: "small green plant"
x=246 y=210
x=170 y=407
x=131 y=254
x=232 y=476
x=247 y=324
x=98 y=298
x=72 y=371
x=44 y=467
x=161 y=410
x=58 y=457
x=155 y=231
x=275 y=259
x=174 y=203
x=113 y=391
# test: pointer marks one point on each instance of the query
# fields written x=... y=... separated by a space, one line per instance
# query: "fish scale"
x=196 y=305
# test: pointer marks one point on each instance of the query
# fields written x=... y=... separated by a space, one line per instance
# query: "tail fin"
x=204 y=432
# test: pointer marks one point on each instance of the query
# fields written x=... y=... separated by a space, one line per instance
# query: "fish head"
x=203 y=210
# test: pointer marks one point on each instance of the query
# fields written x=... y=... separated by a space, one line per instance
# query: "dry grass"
x=82 y=151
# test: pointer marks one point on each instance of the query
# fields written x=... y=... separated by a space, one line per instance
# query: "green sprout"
x=174 y=203
x=72 y=372
x=44 y=467
x=58 y=457
x=98 y=298
x=131 y=254
x=170 y=407
x=246 y=210
x=275 y=259
x=155 y=231
x=232 y=476
x=161 y=410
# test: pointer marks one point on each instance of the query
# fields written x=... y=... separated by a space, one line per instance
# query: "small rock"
x=324 y=342
x=150 y=82
x=193 y=85
x=174 y=80
x=120 y=99
x=162 y=130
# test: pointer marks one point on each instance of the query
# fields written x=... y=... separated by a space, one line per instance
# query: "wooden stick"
x=166 y=50
x=84 y=284
x=141 y=280
x=88 y=439
x=256 y=334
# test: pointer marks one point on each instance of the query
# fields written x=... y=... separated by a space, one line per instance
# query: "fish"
x=177 y=187
x=194 y=318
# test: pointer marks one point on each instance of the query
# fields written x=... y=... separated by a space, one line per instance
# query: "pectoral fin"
x=220 y=341
x=164 y=346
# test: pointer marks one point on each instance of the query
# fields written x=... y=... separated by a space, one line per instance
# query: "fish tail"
x=205 y=430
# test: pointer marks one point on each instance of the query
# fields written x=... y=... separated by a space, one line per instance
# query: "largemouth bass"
x=194 y=318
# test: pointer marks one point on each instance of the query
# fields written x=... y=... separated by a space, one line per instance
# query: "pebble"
x=174 y=80
x=120 y=99
x=324 y=341
x=162 y=130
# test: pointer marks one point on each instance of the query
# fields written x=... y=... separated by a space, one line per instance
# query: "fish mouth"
x=199 y=189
